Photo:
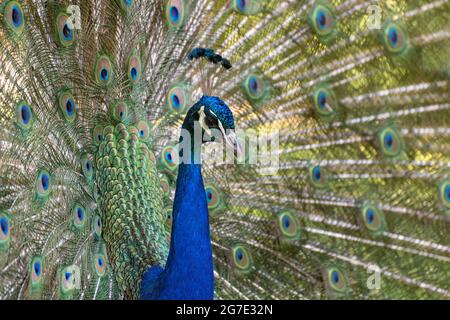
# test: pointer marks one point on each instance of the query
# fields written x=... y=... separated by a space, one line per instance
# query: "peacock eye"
x=288 y=225
x=335 y=280
x=97 y=135
x=177 y=98
x=175 y=13
x=390 y=141
x=67 y=105
x=14 y=17
x=373 y=218
x=444 y=193
x=317 y=176
x=36 y=267
x=255 y=87
x=324 y=102
x=143 y=129
x=395 y=38
x=241 y=258
x=120 y=112
x=134 y=68
x=43 y=184
x=169 y=158
x=103 y=71
x=169 y=217
x=323 y=20
x=24 y=116
x=66 y=35
x=125 y=4
x=67 y=279
x=213 y=197
x=100 y=264
x=78 y=217
x=86 y=167
x=97 y=227
x=247 y=7
x=4 y=229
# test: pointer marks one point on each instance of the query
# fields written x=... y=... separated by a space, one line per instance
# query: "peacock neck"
x=189 y=268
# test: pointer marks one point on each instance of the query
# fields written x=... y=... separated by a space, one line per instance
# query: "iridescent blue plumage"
x=351 y=114
x=189 y=271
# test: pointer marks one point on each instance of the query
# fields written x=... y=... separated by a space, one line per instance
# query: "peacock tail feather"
x=93 y=94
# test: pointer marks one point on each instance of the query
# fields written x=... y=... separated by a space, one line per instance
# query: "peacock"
x=336 y=112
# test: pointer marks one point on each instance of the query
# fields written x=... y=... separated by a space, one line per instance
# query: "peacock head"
x=214 y=119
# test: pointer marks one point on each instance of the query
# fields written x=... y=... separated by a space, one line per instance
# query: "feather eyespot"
x=323 y=19
x=5 y=227
x=36 y=271
x=248 y=7
x=87 y=167
x=14 y=17
x=212 y=197
x=143 y=130
x=24 y=116
x=177 y=99
x=120 y=111
x=444 y=193
x=100 y=264
x=176 y=13
x=255 y=87
x=97 y=135
x=324 y=102
x=169 y=218
x=169 y=158
x=241 y=258
x=97 y=227
x=288 y=225
x=68 y=279
x=336 y=280
x=134 y=68
x=103 y=70
x=126 y=4
x=241 y=5
x=317 y=176
x=67 y=105
x=390 y=141
x=373 y=218
x=395 y=38
x=43 y=184
x=78 y=216
x=65 y=31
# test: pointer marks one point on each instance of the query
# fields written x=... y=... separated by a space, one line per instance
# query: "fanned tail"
x=360 y=185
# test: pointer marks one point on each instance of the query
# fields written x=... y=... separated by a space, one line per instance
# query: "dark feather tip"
x=226 y=64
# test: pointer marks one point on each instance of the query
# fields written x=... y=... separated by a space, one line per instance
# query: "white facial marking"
x=202 y=120
x=221 y=128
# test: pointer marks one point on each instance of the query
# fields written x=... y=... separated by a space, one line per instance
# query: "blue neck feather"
x=189 y=271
